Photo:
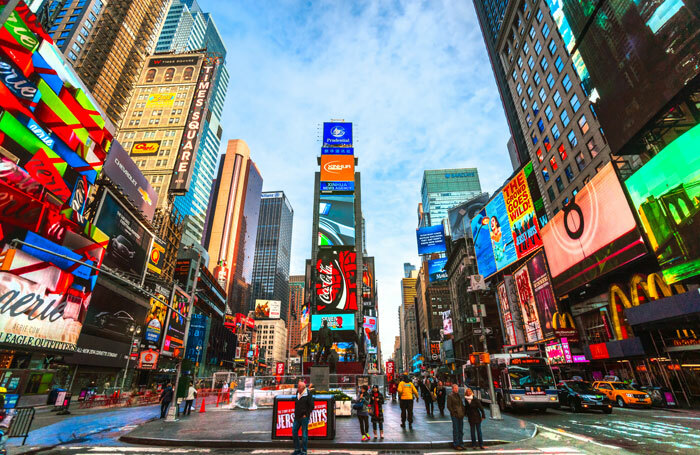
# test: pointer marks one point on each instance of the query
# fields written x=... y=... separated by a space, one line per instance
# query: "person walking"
x=426 y=391
x=457 y=411
x=441 y=396
x=166 y=397
x=189 y=400
x=362 y=408
x=407 y=391
x=303 y=406
x=393 y=387
x=475 y=415
x=376 y=410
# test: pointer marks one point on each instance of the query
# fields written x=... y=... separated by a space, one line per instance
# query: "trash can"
x=321 y=421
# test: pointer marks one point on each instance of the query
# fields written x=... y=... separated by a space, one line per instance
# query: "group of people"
x=167 y=395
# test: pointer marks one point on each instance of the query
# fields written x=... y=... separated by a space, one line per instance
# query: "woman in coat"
x=426 y=392
x=362 y=407
x=376 y=404
x=475 y=415
x=441 y=396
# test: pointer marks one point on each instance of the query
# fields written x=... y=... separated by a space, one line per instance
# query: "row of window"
x=155 y=121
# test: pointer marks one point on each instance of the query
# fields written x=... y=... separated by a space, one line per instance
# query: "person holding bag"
x=362 y=408
x=376 y=411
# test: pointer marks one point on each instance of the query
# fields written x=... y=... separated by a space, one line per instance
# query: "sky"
x=413 y=77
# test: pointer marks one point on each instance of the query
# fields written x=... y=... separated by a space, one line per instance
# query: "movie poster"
x=544 y=296
x=528 y=307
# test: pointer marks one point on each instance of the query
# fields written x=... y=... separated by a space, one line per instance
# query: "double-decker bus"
x=519 y=380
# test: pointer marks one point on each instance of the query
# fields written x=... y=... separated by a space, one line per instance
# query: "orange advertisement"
x=337 y=168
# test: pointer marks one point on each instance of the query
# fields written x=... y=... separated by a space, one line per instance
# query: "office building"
x=294 y=314
x=108 y=42
x=273 y=247
x=407 y=320
x=442 y=189
x=432 y=299
x=271 y=336
x=396 y=356
x=407 y=269
x=233 y=224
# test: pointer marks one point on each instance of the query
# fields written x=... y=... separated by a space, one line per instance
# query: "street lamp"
x=135 y=331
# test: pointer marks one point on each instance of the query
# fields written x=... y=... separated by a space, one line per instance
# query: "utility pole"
x=495 y=410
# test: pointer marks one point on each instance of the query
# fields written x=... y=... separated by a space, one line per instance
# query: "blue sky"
x=413 y=77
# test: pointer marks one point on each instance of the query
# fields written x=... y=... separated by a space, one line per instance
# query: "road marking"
x=257 y=432
x=576 y=436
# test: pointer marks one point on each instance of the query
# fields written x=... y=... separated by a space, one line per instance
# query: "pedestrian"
x=457 y=411
x=426 y=391
x=303 y=406
x=189 y=401
x=362 y=408
x=376 y=410
x=393 y=386
x=166 y=397
x=441 y=396
x=475 y=415
x=407 y=391
x=224 y=393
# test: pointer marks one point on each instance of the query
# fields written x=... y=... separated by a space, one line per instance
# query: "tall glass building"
x=442 y=189
x=187 y=28
x=273 y=251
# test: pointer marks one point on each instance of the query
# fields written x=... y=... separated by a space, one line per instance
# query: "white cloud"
x=414 y=78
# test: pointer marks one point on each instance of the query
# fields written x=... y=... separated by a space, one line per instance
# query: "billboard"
x=335 y=321
x=436 y=269
x=319 y=427
x=158 y=100
x=336 y=281
x=267 y=309
x=506 y=315
x=337 y=134
x=129 y=241
x=149 y=148
x=367 y=280
x=447 y=322
x=542 y=290
x=337 y=151
x=482 y=244
x=175 y=330
x=665 y=193
x=369 y=328
x=431 y=239
x=337 y=173
x=521 y=213
x=594 y=234
x=336 y=220
x=122 y=170
x=156 y=260
x=528 y=307
x=197 y=336
x=155 y=324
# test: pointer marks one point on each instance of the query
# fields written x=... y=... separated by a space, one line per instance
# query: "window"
x=542 y=94
x=583 y=124
x=547 y=144
x=545 y=174
x=531 y=62
x=92 y=17
x=84 y=32
x=53 y=28
x=593 y=111
x=532 y=32
x=88 y=25
x=536 y=78
x=72 y=56
x=592 y=148
x=550 y=193
x=65 y=34
x=72 y=19
x=564 y=116
x=539 y=15
x=565 y=202
x=550 y=80
x=559 y=65
x=538 y=47
x=534 y=139
x=569 y=173
x=528 y=119
x=520 y=62
x=555 y=131
x=553 y=163
x=557 y=98
x=552 y=47
x=523 y=103
x=76 y=47
x=535 y=108
x=80 y=39
x=566 y=82
x=580 y=162
x=540 y=155
x=526 y=48
x=560 y=184
x=548 y=112
x=525 y=76
x=545 y=31
x=530 y=92
x=150 y=75
x=518 y=88
x=574 y=192
x=515 y=75
x=68 y=26
x=169 y=73
x=572 y=138
x=540 y=125
x=562 y=152
x=575 y=103
x=60 y=42
x=62 y=13
x=544 y=64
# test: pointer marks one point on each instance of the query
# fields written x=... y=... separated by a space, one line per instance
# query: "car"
x=580 y=396
x=622 y=394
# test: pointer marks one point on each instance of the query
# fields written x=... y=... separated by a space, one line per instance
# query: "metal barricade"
x=21 y=423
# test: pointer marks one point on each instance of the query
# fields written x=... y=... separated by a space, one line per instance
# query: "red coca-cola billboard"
x=321 y=421
x=336 y=281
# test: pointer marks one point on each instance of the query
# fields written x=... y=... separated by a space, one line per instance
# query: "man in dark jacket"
x=303 y=406
x=456 y=408
x=475 y=415
x=166 y=397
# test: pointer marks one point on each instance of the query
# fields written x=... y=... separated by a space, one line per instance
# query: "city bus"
x=520 y=381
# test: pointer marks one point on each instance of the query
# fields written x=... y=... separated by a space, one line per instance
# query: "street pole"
x=495 y=410
x=172 y=411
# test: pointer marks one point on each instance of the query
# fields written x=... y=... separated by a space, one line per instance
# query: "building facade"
x=294 y=314
x=233 y=224
x=272 y=338
x=442 y=189
x=273 y=247
x=407 y=320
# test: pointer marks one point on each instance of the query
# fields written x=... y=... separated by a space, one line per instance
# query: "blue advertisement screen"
x=431 y=239
x=335 y=321
x=436 y=269
x=337 y=186
x=337 y=133
x=482 y=244
x=504 y=252
x=198 y=330
x=336 y=222
x=337 y=151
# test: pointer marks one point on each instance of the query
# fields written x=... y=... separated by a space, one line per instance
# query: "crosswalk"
x=674 y=435
x=80 y=450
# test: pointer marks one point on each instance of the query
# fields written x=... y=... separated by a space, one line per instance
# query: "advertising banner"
x=544 y=296
x=267 y=309
x=436 y=269
x=148 y=360
x=337 y=151
x=319 y=426
x=528 y=308
x=502 y=242
x=521 y=213
x=159 y=100
x=435 y=351
x=369 y=327
x=335 y=321
x=336 y=281
x=390 y=368
x=149 y=148
x=155 y=323
x=112 y=315
x=665 y=193
x=279 y=369
x=305 y=316
x=156 y=260
x=447 y=322
x=594 y=234
x=431 y=239
x=337 y=133
x=367 y=279
x=196 y=338
x=122 y=170
x=129 y=241
x=175 y=331
x=336 y=223
x=506 y=316
x=482 y=244
x=337 y=173
x=98 y=351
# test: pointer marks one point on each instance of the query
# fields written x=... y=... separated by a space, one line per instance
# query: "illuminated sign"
x=122 y=170
x=528 y=309
x=336 y=283
x=267 y=309
x=156 y=259
x=175 y=332
x=431 y=239
x=318 y=427
x=337 y=173
x=145 y=148
x=156 y=100
x=337 y=151
x=336 y=220
x=337 y=133
x=173 y=61
x=335 y=321
x=436 y=270
x=527 y=361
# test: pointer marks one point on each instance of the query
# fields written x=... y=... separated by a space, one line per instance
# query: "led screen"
x=482 y=244
x=336 y=222
x=665 y=193
x=336 y=281
x=436 y=270
x=337 y=134
x=175 y=331
x=431 y=239
x=337 y=172
x=335 y=321
x=528 y=308
x=542 y=290
x=594 y=234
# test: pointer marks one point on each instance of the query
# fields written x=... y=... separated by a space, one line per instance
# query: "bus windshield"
x=530 y=376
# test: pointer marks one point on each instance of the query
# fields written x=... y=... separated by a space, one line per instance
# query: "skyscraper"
x=408 y=328
x=294 y=313
x=442 y=189
x=234 y=224
x=273 y=250
x=407 y=269
x=187 y=29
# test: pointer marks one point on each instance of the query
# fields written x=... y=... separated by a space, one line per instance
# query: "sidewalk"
x=239 y=428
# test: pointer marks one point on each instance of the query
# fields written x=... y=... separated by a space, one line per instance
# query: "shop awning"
x=665 y=308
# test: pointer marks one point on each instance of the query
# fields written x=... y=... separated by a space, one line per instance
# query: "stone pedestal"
x=320 y=377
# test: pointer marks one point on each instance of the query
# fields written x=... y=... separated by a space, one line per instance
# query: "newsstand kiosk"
x=321 y=421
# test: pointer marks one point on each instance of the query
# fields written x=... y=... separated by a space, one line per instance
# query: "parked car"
x=623 y=394
x=580 y=396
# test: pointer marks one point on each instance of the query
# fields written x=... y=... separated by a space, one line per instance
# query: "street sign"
x=472 y=320
x=487 y=331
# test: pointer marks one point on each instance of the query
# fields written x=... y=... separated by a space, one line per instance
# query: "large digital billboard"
x=336 y=220
x=337 y=134
x=528 y=307
x=665 y=193
x=506 y=315
x=521 y=213
x=155 y=324
x=482 y=244
x=122 y=170
x=336 y=281
x=431 y=239
x=594 y=234
x=543 y=293
x=337 y=173
x=335 y=321
x=367 y=280
x=175 y=330
x=267 y=309
x=369 y=328
x=436 y=269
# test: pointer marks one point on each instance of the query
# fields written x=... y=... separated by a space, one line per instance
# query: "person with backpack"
x=362 y=408
x=407 y=391
x=475 y=415
x=376 y=411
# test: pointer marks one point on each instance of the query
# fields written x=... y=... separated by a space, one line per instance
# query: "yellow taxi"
x=622 y=394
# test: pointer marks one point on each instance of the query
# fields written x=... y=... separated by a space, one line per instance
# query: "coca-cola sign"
x=336 y=281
